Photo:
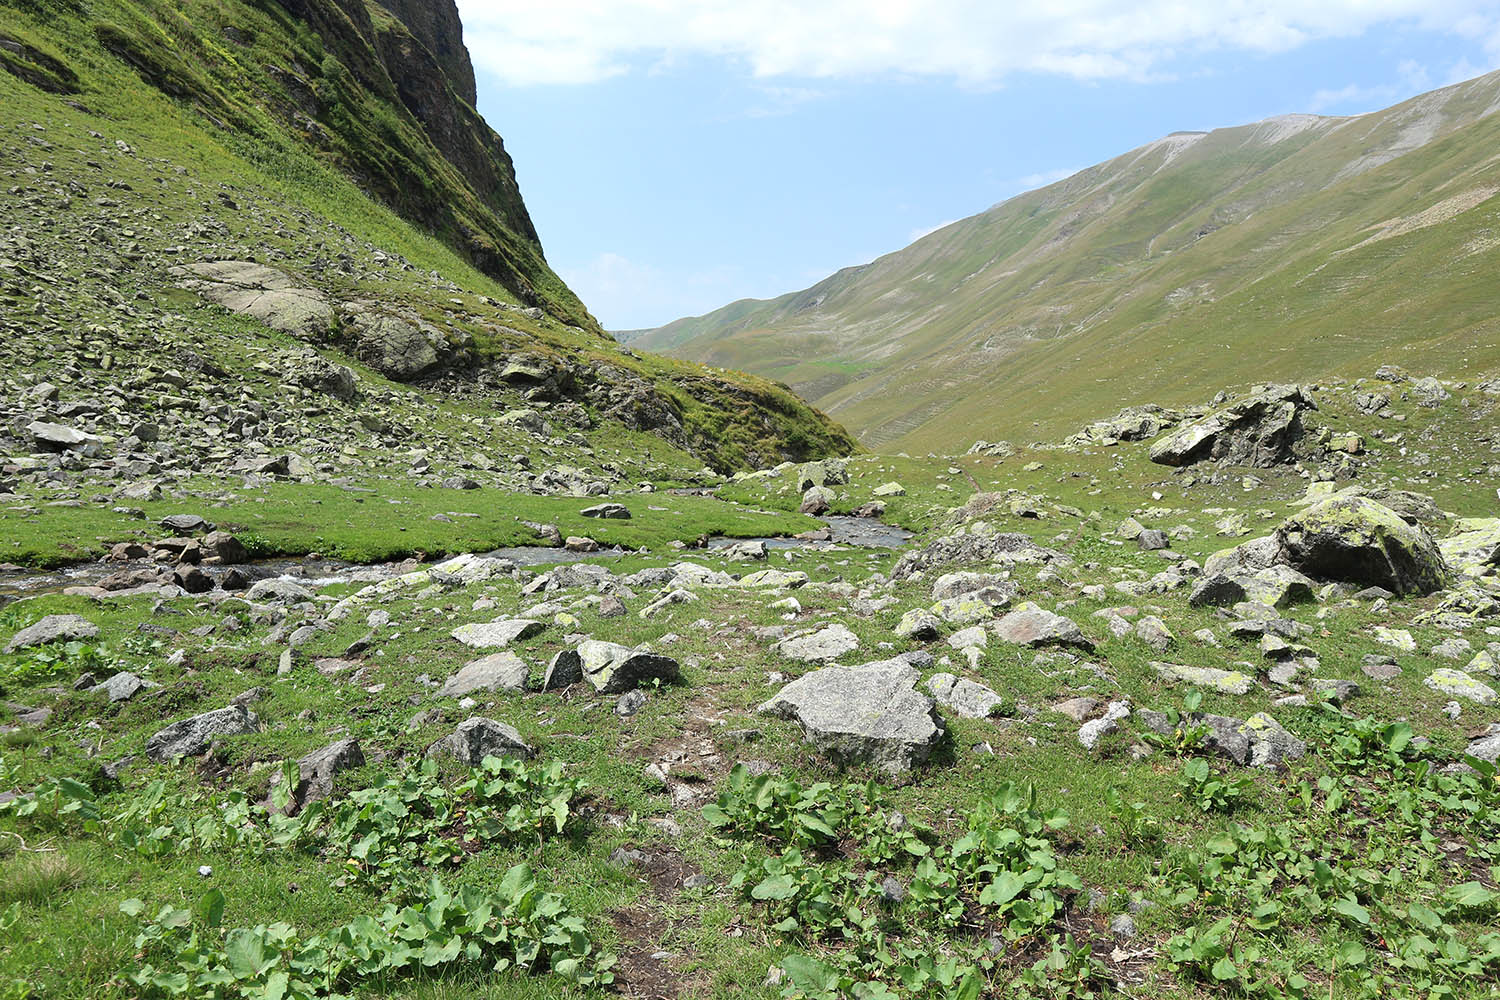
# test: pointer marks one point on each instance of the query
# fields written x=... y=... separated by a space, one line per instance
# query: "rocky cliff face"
x=411 y=55
x=436 y=26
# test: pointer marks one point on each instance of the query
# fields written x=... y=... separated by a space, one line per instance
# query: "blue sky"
x=677 y=155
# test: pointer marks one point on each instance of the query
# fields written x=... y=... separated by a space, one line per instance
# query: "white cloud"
x=976 y=42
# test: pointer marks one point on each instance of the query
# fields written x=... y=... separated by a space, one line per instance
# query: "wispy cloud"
x=975 y=42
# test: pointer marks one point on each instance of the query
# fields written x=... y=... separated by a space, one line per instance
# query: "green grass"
x=382 y=522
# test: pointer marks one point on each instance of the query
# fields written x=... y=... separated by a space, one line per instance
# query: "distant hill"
x=1294 y=247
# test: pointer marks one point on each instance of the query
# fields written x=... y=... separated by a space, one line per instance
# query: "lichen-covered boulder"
x=1474 y=549
x=1357 y=540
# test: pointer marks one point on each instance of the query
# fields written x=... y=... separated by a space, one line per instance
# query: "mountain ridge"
x=1142 y=253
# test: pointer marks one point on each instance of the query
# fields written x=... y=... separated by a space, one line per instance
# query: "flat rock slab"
x=969 y=699
x=497 y=634
x=871 y=713
x=1036 y=627
x=825 y=644
x=1223 y=681
x=123 y=686
x=61 y=437
x=191 y=737
x=261 y=292
x=503 y=671
x=53 y=628
x=775 y=578
x=478 y=738
x=278 y=592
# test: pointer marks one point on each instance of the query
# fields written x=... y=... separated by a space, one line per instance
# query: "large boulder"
x=867 y=714
x=394 y=347
x=1357 y=540
x=53 y=628
x=191 y=737
x=1257 y=431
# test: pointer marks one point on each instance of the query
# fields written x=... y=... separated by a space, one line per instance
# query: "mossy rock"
x=37 y=67
x=1357 y=540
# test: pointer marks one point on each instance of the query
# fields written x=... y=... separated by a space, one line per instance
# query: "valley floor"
x=1119 y=785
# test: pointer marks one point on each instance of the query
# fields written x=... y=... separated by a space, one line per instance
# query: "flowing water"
x=843 y=532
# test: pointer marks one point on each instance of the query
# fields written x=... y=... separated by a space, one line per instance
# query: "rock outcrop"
x=1258 y=431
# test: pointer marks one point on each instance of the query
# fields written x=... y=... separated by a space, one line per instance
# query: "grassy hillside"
x=149 y=136
x=1296 y=247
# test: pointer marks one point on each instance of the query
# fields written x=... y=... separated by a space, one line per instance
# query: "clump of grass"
x=34 y=877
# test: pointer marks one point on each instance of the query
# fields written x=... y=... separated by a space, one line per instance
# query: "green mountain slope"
x=334 y=143
x=1295 y=247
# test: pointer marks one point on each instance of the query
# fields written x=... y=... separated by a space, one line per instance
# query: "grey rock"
x=565 y=670
x=1032 y=626
x=316 y=772
x=1258 y=431
x=277 y=592
x=478 y=738
x=613 y=511
x=263 y=293
x=53 y=628
x=630 y=703
x=60 y=437
x=1357 y=540
x=919 y=624
x=1259 y=741
x=965 y=697
x=1460 y=685
x=503 y=671
x=185 y=524
x=870 y=713
x=191 y=737
x=1340 y=690
x=497 y=634
x=123 y=686
x=394 y=347
x=1152 y=540
x=615 y=669
x=826 y=644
